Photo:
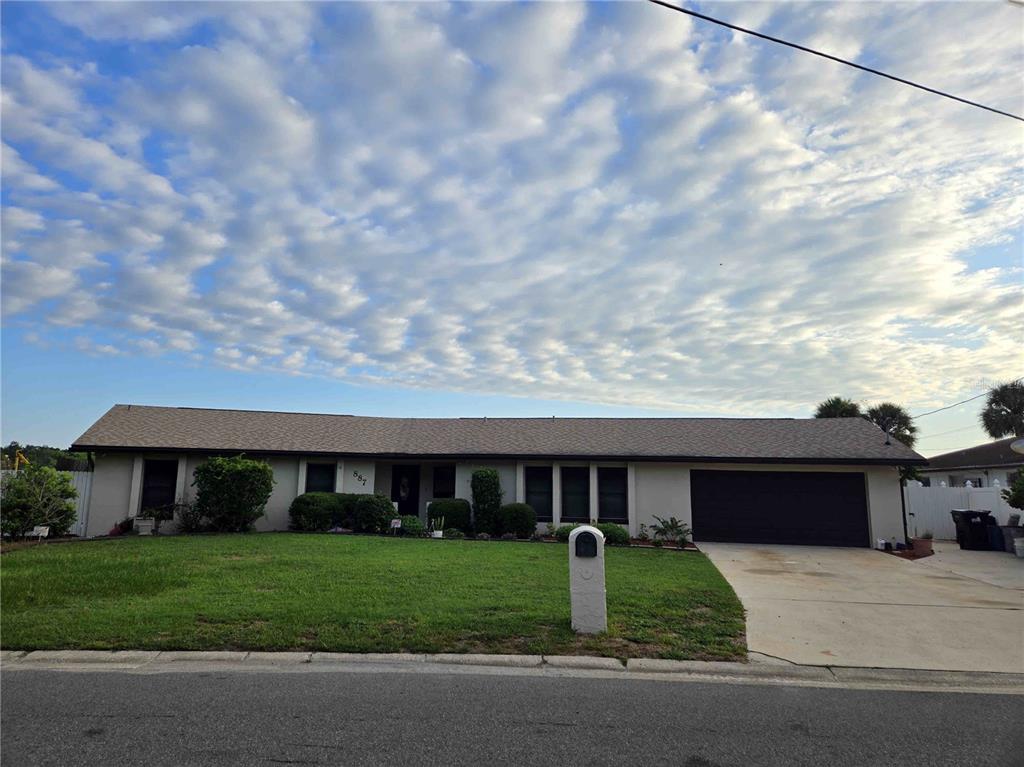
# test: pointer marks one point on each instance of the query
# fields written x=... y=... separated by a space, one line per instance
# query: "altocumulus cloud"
x=596 y=202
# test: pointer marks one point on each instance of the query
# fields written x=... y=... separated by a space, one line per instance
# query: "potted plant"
x=148 y=521
x=922 y=544
x=437 y=527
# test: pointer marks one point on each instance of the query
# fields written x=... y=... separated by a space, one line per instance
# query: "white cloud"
x=609 y=203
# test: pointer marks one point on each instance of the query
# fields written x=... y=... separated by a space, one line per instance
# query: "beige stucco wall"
x=111 y=488
x=506 y=475
x=662 y=489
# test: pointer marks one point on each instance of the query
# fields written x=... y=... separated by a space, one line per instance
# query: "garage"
x=811 y=508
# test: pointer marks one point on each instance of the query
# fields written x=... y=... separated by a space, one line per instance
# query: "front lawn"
x=357 y=594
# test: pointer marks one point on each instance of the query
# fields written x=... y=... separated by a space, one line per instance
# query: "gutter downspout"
x=903 y=505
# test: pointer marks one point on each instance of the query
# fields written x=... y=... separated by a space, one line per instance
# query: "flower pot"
x=144 y=526
x=437 y=533
x=922 y=546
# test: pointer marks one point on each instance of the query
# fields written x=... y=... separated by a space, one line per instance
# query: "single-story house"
x=981 y=465
x=812 y=481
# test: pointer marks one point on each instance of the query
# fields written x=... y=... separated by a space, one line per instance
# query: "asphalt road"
x=215 y=718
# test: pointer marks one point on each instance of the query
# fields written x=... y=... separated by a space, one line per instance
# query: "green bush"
x=37 y=495
x=189 y=520
x=1014 y=494
x=519 y=519
x=413 y=526
x=562 y=532
x=456 y=513
x=454 y=533
x=614 y=535
x=232 y=493
x=487 y=494
x=317 y=512
x=374 y=513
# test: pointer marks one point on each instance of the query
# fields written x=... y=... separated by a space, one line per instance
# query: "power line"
x=829 y=56
x=951 y=431
x=947 y=407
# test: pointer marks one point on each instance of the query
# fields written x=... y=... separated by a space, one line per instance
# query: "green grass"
x=357 y=594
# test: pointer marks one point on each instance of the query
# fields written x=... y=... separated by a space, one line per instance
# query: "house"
x=982 y=465
x=812 y=481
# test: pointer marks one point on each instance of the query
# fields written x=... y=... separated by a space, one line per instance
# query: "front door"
x=405 y=488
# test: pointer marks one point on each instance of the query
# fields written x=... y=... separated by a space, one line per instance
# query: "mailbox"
x=586 y=544
x=586 y=580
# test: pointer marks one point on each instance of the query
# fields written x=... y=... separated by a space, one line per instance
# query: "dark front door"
x=405 y=488
x=815 y=508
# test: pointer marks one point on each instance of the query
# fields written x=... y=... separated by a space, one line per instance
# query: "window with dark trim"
x=612 y=503
x=159 y=483
x=320 y=477
x=575 y=494
x=538 y=491
x=444 y=481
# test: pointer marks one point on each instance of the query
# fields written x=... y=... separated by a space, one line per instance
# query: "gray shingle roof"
x=978 y=457
x=834 y=440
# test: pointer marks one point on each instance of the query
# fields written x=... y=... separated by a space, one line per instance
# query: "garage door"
x=816 y=508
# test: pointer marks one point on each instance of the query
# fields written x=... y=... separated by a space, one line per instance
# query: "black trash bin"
x=972 y=528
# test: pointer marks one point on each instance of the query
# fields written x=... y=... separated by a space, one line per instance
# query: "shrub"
x=486 y=487
x=454 y=533
x=1014 y=494
x=456 y=513
x=483 y=537
x=550 y=528
x=413 y=526
x=508 y=536
x=38 y=495
x=374 y=513
x=189 y=520
x=670 y=530
x=232 y=493
x=562 y=532
x=321 y=511
x=614 y=535
x=519 y=519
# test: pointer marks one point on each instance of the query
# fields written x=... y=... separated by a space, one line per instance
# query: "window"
x=320 y=477
x=159 y=484
x=444 y=481
x=612 y=504
x=538 y=491
x=575 y=494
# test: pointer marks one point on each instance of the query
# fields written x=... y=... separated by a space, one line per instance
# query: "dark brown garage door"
x=815 y=508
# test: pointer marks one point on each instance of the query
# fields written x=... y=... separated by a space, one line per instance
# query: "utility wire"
x=969 y=399
x=848 y=63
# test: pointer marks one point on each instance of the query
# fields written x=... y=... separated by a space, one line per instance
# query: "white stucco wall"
x=662 y=489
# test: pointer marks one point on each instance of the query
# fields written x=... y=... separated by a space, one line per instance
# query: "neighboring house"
x=812 y=481
x=982 y=465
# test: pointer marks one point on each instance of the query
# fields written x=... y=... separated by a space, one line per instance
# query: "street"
x=259 y=718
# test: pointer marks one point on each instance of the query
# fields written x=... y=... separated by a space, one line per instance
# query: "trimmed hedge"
x=562 y=532
x=319 y=512
x=456 y=513
x=413 y=526
x=374 y=513
x=614 y=535
x=232 y=493
x=519 y=519
x=486 y=488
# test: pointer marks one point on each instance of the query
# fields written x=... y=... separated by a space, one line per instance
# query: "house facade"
x=992 y=464
x=826 y=482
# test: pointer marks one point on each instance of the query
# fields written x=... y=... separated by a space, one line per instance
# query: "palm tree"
x=1003 y=415
x=837 y=407
x=895 y=420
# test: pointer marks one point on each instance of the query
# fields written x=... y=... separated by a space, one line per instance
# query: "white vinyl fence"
x=82 y=481
x=928 y=507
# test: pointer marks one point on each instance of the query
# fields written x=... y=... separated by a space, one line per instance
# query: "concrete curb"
x=556 y=665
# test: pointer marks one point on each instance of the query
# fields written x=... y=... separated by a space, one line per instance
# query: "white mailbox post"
x=586 y=580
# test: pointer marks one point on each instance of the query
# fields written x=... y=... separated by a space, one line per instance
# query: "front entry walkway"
x=857 y=607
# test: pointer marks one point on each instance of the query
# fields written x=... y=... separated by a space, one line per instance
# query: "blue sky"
x=506 y=209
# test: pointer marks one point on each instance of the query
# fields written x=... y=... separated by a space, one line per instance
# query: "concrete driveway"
x=954 y=611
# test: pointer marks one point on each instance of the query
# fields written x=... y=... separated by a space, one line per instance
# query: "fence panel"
x=928 y=507
x=82 y=480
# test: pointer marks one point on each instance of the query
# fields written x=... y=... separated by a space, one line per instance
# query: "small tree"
x=38 y=495
x=1014 y=494
x=487 y=494
x=1003 y=414
x=837 y=407
x=232 y=493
